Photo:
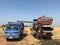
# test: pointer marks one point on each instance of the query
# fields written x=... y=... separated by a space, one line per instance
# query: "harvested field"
x=30 y=40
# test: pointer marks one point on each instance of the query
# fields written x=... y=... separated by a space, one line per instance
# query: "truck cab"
x=14 y=30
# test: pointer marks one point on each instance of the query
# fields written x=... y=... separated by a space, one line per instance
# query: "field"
x=28 y=39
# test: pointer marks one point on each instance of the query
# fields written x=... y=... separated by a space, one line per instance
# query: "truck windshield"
x=12 y=28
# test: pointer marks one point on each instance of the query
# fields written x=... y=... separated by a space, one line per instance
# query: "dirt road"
x=30 y=40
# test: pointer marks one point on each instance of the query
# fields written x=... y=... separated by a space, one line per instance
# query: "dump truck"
x=14 y=30
x=43 y=27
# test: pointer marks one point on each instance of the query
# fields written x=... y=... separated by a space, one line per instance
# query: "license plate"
x=10 y=37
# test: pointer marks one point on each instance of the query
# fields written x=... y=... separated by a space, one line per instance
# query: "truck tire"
x=37 y=36
x=7 y=39
x=49 y=37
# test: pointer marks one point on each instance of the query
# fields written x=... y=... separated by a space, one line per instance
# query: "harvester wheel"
x=37 y=36
x=49 y=37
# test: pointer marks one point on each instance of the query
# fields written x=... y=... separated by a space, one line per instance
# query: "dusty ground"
x=30 y=40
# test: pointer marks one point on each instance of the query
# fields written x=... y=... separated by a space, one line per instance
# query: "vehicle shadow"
x=23 y=36
x=47 y=41
x=50 y=42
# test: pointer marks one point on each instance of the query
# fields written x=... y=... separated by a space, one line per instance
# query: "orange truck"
x=42 y=28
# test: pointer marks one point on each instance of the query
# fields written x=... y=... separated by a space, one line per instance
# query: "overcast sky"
x=12 y=10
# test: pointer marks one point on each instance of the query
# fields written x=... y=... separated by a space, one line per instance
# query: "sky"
x=13 y=10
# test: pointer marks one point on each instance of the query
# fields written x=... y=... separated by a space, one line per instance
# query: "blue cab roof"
x=15 y=24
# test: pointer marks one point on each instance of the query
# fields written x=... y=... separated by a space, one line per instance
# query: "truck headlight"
x=15 y=34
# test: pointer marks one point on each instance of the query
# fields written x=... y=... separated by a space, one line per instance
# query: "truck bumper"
x=11 y=37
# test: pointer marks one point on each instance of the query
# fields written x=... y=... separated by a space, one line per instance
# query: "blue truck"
x=14 y=30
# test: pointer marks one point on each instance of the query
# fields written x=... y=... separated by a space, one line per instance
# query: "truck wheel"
x=41 y=37
x=49 y=37
x=37 y=36
x=7 y=39
x=34 y=35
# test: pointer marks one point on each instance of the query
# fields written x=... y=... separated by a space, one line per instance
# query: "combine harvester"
x=41 y=27
x=14 y=30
